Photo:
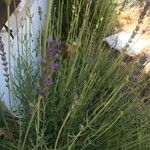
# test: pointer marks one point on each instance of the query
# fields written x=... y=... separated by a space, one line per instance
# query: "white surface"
x=119 y=41
x=21 y=5
x=17 y=19
x=21 y=23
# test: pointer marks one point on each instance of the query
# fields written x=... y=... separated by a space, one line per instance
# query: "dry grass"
x=128 y=19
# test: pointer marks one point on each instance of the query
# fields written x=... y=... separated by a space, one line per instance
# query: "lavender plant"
x=6 y=116
x=83 y=98
x=4 y=63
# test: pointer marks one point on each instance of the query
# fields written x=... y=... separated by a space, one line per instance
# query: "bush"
x=79 y=96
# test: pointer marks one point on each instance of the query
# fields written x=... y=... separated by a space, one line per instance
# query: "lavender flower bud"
x=7 y=80
x=54 y=66
x=53 y=52
x=50 y=40
x=6 y=75
x=7 y=85
x=46 y=80
x=3 y=58
x=5 y=69
x=4 y=63
x=3 y=53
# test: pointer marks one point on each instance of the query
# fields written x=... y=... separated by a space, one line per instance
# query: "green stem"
x=60 y=131
x=48 y=19
x=31 y=121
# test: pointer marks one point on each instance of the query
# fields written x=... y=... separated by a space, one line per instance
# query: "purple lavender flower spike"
x=54 y=66
x=50 y=40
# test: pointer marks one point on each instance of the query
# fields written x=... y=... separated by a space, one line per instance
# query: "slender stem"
x=76 y=137
x=8 y=15
x=38 y=122
x=48 y=19
x=60 y=131
x=30 y=122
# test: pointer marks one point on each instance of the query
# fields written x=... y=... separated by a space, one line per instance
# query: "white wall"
x=21 y=24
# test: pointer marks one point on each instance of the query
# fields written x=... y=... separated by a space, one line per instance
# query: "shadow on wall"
x=3 y=11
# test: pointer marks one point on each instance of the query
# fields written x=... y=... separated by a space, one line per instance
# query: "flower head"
x=49 y=65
